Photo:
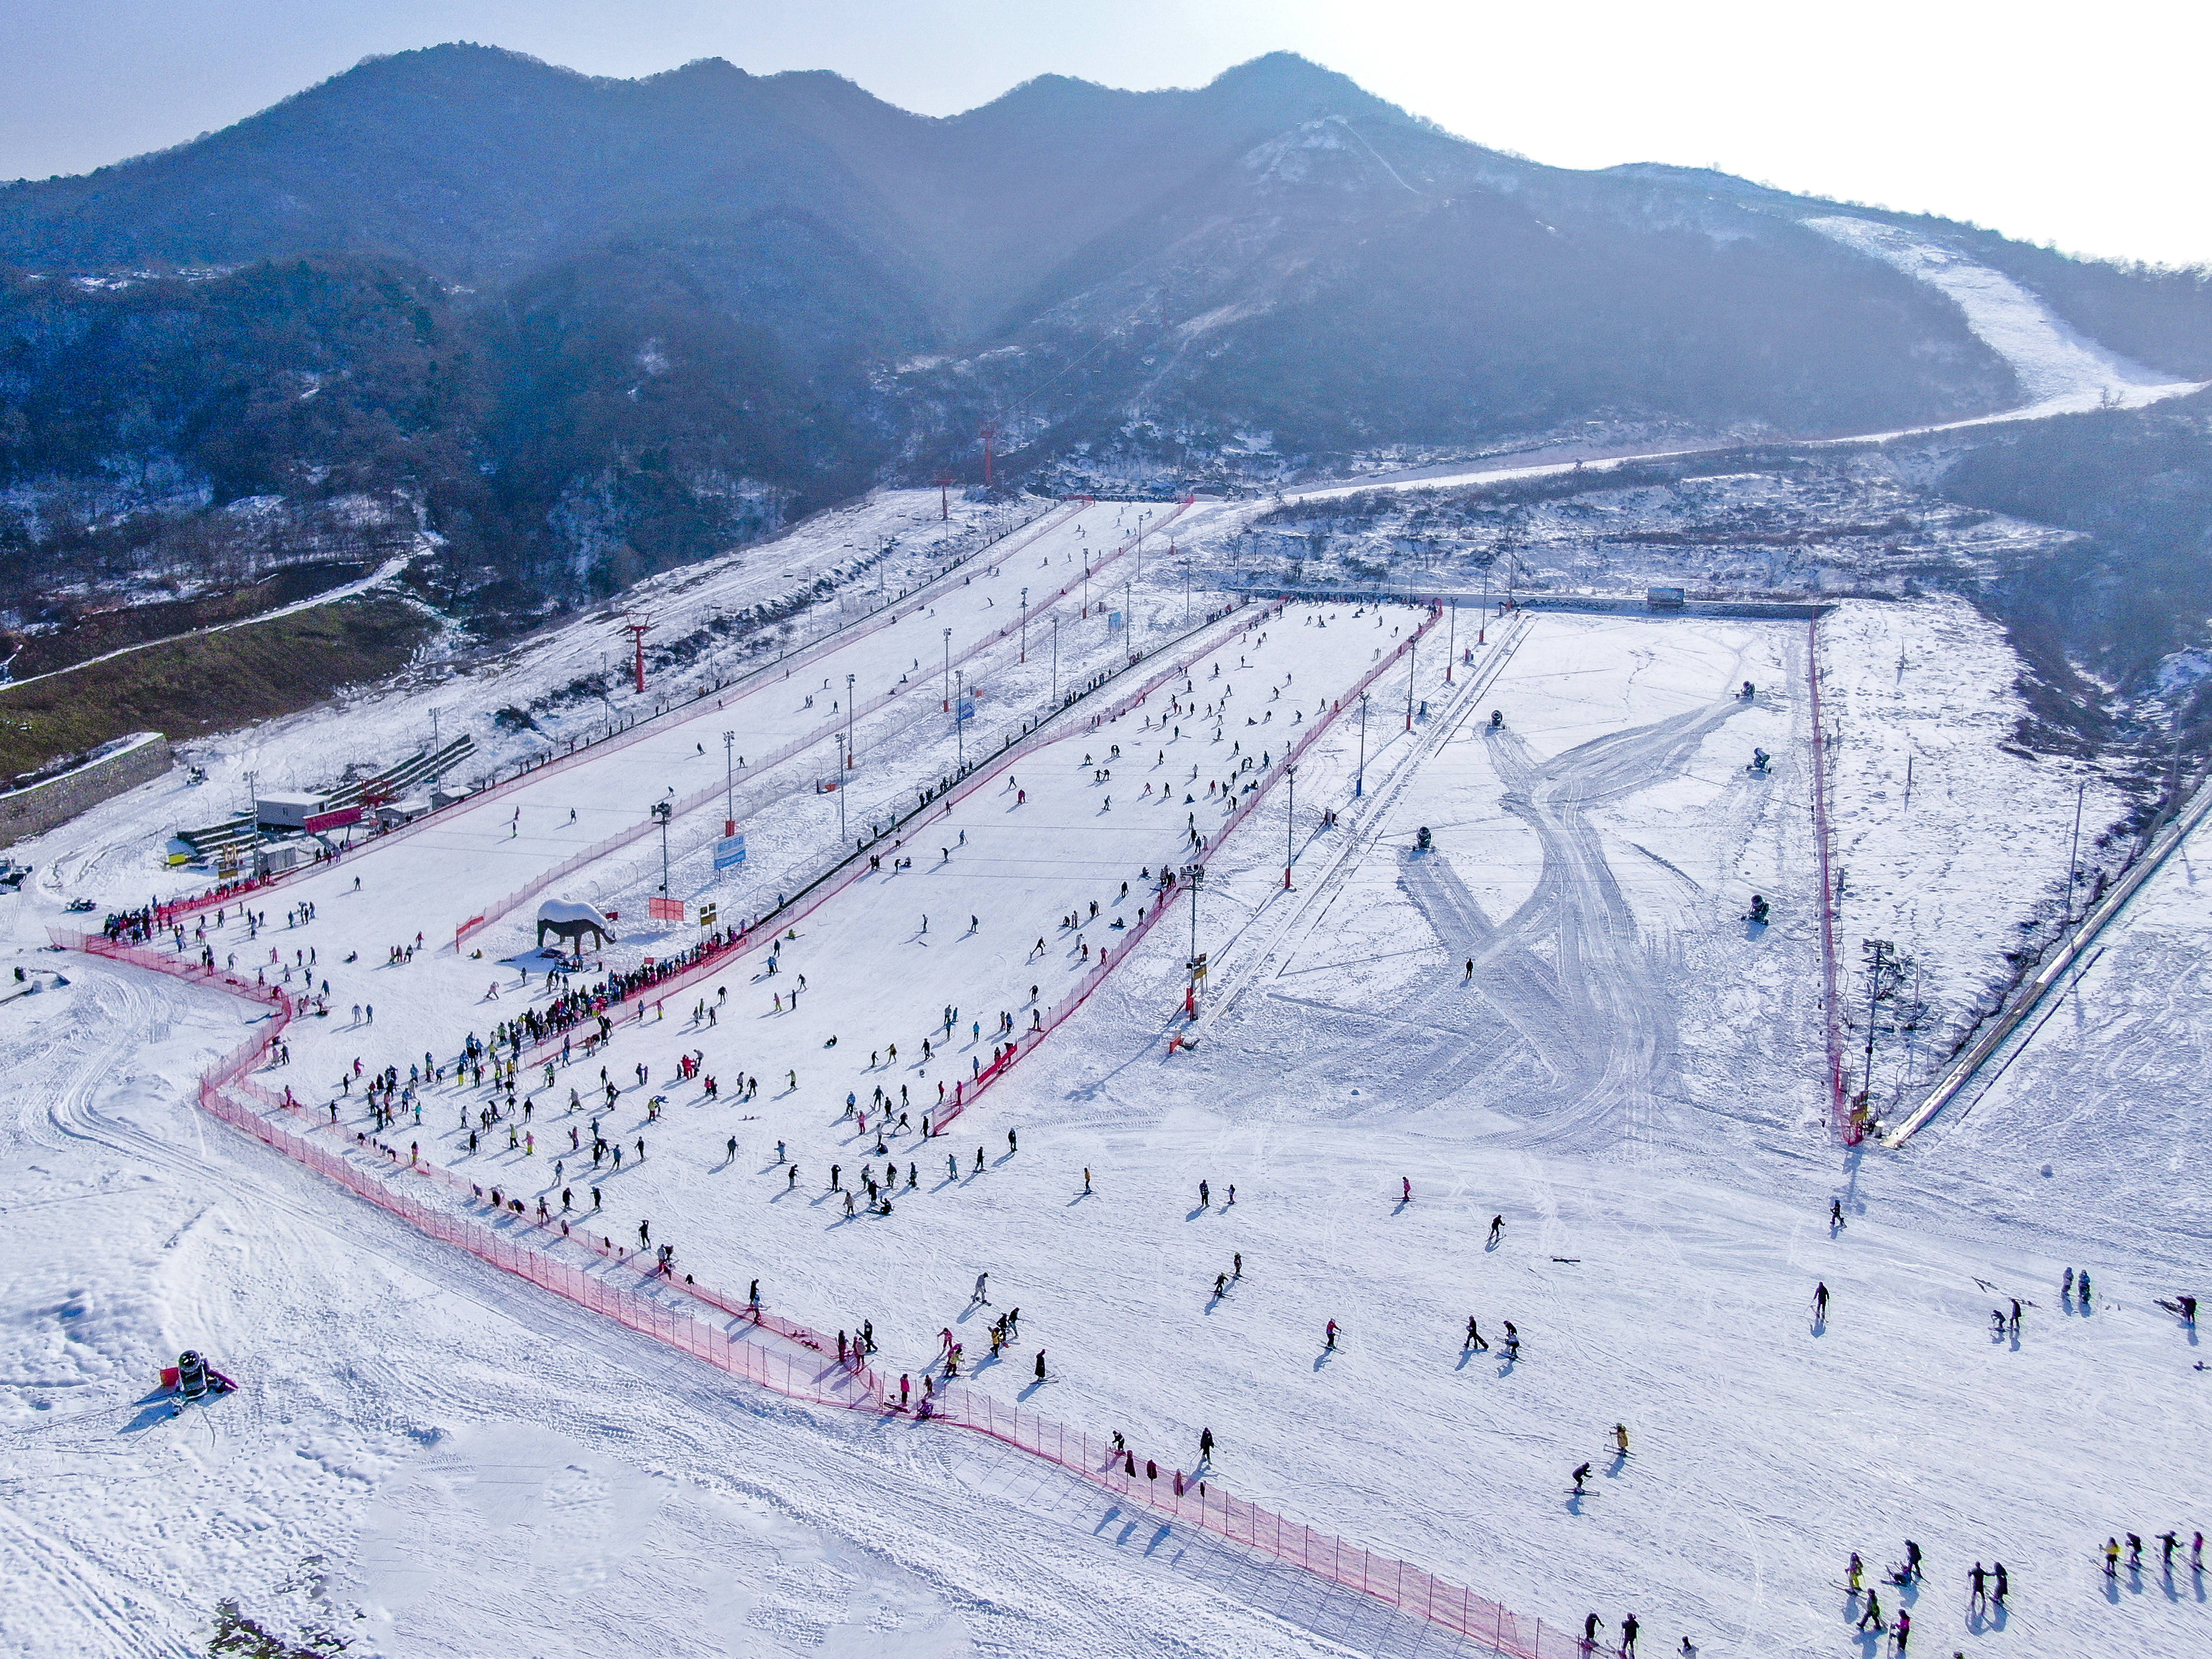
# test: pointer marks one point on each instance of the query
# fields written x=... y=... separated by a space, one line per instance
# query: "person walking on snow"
x=983 y=1283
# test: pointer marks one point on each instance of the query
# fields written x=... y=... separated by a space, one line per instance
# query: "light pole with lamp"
x=959 y=720
x=1360 y=779
x=1025 y=625
x=948 y=669
x=663 y=811
x=1290 y=825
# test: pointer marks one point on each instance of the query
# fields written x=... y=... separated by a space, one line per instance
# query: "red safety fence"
x=820 y=733
x=1198 y=1500
x=786 y=1357
x=728 y=946
x=651 y=725
x=1028 y=1041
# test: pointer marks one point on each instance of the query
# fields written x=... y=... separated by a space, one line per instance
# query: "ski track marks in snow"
x=473 y=1459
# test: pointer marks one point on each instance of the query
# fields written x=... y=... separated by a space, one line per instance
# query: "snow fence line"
x=637 y=731
x=1839 y=1116
x=813 y=1377
x=2094 y=922
x=1106 y=963
x=697 y=799
x=738 y=940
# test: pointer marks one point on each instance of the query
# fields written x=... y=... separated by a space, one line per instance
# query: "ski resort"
x=1590 y=1043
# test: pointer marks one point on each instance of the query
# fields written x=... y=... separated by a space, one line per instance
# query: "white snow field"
x=2061 y=369
x=1557 y=1015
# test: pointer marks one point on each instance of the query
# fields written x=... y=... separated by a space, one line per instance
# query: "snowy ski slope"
x=430 y=1458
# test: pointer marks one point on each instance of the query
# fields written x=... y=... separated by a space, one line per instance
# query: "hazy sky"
x=2082 y=125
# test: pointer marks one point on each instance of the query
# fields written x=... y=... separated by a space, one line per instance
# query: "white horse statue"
x=570 y=921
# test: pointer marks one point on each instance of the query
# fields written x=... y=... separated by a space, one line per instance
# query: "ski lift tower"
x=637 y=629
x=945 y=496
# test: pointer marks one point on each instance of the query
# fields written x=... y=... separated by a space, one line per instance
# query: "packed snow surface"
x=1557 y=1016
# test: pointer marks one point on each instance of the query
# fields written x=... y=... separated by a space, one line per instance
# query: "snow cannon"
x=1422 y=843
x=1758 y=759
x=1747 y=691
x=1497 y=718
x=1758 y=916
x=193 y=1378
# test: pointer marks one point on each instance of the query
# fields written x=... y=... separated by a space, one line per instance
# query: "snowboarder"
x=1902 y=1633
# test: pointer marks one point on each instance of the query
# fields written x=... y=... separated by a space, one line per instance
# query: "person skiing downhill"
x=1474 y=1341
x=1820 y=1301
x=1582 y=1473
x=1332 y=1336
x=1497 y=1228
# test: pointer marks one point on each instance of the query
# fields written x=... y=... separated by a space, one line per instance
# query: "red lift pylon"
x=636 y=630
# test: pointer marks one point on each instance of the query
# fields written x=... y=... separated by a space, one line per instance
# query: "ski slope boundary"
x=664 y=720
x=1027 y=1042
x=1831 y=1011
x=791 y=1360
x=692 y=802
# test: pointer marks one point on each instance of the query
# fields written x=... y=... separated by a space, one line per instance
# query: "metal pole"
x=959 y=718
x=1359 y=783
x=1451 y=640
x=1025 y=625
x=729 y=783
x=2073 y=853
x=1413 y=650
x=948 y=669
x=1055 y=661
x=1290 y=825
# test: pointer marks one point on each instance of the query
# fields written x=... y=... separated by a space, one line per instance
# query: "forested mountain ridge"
x=581 y=329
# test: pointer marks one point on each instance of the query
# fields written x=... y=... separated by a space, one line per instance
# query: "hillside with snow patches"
x=1556 y=1015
